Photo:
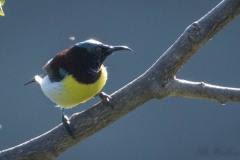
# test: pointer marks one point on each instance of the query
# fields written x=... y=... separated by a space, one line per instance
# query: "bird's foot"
x=66 y=124
x=106 y=99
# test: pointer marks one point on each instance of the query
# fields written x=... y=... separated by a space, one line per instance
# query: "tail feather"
x=30 y=81
x=34 y=80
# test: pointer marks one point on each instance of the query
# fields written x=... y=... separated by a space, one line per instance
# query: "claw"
x=66 y=124
x=106 y=99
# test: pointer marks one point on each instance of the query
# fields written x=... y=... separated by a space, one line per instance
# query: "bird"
x=75 y=75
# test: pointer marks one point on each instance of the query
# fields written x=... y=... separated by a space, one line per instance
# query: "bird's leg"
x=106 y=99
x=66 y=123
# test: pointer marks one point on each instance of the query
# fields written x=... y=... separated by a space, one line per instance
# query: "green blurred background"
x=34 y=31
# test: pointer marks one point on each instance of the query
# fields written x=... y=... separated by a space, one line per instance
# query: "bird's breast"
x=69 y=92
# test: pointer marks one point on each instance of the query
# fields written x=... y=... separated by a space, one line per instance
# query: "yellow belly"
x=69 y=93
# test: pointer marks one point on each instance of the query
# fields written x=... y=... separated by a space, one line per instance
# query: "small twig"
x=189 y=89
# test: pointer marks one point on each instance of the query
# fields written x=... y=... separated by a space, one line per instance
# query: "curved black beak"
x=118 y=48
x=111 y=49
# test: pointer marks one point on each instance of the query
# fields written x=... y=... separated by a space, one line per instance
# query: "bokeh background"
x=34 y=31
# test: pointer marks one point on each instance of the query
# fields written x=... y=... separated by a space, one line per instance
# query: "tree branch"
x=188 y=89
x=157 y=82
x=192 y=39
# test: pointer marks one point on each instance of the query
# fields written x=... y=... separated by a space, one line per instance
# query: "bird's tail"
x=34 y=79
x=30 y=81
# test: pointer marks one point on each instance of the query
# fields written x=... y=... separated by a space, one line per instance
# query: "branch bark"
x=157 y=82
x=189 y=89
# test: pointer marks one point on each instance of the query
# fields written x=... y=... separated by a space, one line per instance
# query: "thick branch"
x=84 y=124
x=153 y=83
x=188 y=89
x=192 y=39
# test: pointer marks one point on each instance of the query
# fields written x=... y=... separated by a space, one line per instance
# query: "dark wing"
x=54 y=68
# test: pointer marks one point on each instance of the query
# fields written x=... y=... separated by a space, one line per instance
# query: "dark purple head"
x=83 y=61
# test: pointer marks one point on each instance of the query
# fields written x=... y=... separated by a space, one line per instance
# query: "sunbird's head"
x=99 y=51
x=82 y=60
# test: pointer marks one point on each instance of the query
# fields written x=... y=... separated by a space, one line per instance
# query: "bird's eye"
x=98 y=49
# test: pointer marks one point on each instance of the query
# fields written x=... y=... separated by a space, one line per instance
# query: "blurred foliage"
x=1 y=10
